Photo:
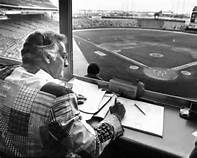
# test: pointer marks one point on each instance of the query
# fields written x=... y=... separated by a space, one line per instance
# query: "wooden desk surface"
x=177 y=137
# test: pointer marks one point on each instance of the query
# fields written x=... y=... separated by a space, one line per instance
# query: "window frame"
x=65 y=24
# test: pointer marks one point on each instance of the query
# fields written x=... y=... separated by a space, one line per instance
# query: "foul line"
x=177 y=68
x=119 y=55
x=184 y=66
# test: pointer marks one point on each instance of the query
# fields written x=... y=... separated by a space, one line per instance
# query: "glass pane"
x=19 y=18
x=138 y=40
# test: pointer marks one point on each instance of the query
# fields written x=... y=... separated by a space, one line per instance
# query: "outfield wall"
x=163 y=24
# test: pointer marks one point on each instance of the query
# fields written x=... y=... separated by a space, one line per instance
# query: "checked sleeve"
x=105 y=132
x=78 y=136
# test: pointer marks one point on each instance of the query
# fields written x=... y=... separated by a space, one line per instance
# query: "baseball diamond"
x=165 y=61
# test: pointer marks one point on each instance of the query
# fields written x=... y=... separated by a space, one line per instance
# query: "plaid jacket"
x=31 y=119
x=23 y=111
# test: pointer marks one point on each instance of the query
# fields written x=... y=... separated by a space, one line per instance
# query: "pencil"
x=140 y=109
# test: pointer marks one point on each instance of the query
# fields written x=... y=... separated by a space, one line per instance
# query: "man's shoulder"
x=56 y=89
x=6 y=70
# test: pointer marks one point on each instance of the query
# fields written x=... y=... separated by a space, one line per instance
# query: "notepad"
x=93 y=94
x=151 y=122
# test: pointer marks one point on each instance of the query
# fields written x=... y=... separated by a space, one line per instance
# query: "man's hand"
x=80 y=99
x=118 y=109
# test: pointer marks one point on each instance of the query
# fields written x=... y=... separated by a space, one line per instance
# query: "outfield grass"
x=165 y=61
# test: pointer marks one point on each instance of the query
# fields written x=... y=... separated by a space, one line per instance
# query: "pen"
x=115 y=100
x=140 y=109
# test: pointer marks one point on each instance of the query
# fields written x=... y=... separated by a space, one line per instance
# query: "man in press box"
x=39 y=114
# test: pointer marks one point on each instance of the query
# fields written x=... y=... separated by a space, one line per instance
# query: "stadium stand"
x=28 y=3
x=15 y=30
x=79 y=23
x=16 y=27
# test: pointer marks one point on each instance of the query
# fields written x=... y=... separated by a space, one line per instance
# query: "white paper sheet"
x=91 y=91
x=151 y=122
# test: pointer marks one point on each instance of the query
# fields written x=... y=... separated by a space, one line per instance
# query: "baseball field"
x=164 y=60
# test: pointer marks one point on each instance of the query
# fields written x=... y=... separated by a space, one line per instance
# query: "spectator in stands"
x=93 y=71
x=49 y=123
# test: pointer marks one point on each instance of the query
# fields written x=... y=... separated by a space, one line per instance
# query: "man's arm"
x=78 y=136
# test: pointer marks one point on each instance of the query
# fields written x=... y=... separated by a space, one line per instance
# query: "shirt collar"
x=44 y=75
x=48 y=78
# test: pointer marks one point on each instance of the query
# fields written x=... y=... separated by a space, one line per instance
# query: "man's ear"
x=50 y=55
x=47 y=57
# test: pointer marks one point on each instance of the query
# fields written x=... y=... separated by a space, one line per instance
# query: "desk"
x=177 y=138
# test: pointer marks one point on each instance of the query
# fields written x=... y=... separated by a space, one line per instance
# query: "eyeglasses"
x=63 y=52
x=65 y=55
x=65 y=59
